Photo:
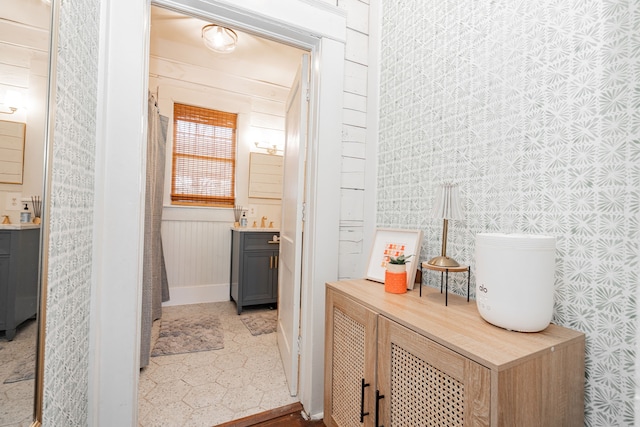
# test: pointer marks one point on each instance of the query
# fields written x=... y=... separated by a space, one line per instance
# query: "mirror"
x=11 y=151
x=265 y=175
x=24 y=86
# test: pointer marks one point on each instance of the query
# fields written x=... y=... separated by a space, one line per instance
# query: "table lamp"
x=447 y=207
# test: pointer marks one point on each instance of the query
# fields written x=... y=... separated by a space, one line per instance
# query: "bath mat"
x=263 y=322
x=24 y=370
x=189 y=335
x=20 y=354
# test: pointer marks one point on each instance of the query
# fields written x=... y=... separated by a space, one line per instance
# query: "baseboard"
x=316 y=416
x=197 y=294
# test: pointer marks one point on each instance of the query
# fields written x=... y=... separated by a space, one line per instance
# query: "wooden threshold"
x=256 y=419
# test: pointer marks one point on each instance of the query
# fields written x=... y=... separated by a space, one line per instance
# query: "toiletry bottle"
x=25 y=215
x=243 y=220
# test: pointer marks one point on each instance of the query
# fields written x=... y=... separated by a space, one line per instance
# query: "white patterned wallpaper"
x=66 y=369
x=533 y=107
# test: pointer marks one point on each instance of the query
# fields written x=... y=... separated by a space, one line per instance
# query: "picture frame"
x=399 y=241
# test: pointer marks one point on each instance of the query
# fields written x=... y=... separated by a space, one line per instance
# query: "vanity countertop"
x=257 y=229
x=20 y=226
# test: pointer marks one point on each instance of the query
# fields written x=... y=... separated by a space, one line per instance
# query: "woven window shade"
x=204 y=162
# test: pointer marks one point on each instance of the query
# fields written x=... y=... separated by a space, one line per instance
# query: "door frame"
x=119 y=182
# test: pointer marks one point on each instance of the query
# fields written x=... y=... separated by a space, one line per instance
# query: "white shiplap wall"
x=354 y=140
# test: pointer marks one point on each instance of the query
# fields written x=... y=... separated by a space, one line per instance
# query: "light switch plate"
x=13 y=202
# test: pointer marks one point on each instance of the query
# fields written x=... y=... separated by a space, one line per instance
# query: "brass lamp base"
x=443 y=261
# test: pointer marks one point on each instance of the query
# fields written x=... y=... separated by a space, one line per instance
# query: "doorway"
x=253 y=81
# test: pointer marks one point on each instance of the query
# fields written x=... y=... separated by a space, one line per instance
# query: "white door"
x=290 y=268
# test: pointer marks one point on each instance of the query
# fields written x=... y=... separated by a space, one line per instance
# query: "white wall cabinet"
x=405 y=360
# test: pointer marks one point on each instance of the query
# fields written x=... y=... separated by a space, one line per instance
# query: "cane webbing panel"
x=422 y=395
x=348 y=369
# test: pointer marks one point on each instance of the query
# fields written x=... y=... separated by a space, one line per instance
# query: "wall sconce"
x=447 y=207
x=219 y=39
x=271 y=150
x=12 y=101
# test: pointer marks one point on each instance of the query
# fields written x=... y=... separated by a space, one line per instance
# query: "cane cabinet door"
x=350 y=357
x=422 y=383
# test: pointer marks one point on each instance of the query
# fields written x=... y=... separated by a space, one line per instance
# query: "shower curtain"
x=155 y=287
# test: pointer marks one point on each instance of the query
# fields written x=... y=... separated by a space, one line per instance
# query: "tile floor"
x=16 y=399
x=211 y=387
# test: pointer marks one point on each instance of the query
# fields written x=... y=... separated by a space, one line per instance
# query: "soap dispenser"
x=243 y=219
x=25 y=215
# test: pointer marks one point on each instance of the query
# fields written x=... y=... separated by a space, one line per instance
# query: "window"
x=204 y=149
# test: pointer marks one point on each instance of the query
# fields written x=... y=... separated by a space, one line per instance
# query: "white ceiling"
x=178 y=37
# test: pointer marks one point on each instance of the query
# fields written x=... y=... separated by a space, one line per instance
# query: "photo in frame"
x=389 y=242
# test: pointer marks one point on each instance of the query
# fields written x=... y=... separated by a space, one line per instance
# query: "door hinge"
x=299 y=344
x=304 y=211
x=308 y=95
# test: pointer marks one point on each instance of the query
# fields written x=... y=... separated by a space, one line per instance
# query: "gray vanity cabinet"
x=254 y=268
x=19 y=261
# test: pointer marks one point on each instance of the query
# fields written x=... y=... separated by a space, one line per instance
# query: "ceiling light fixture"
x=219 y=39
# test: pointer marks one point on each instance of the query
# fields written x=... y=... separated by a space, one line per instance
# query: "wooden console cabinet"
x=405 y=360
x=254 y=267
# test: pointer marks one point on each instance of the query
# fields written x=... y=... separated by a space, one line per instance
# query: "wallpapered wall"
x=66 y=367
x=533 y=108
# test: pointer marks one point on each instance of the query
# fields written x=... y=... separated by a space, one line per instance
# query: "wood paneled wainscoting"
x=197 y=255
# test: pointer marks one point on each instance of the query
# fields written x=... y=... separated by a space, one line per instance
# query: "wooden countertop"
x=458 y=326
